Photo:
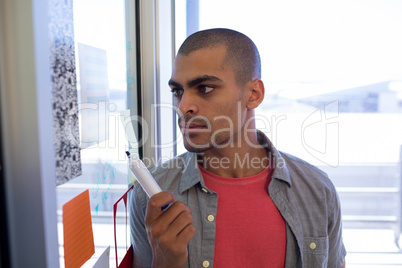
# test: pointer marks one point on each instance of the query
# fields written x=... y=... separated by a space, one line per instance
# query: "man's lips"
x=191 y=128
x=192 y=125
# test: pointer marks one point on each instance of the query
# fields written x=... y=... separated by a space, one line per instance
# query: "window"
x=103 y=82
x=333 y=79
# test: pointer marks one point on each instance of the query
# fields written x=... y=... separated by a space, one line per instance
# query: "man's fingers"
x=170 y=222
x=168 y=231
x=187 y=233
x=183 y=226
x=178 y=223
x=174 y=227
x=155 y=204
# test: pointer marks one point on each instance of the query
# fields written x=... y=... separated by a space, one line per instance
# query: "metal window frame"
x=155 y=55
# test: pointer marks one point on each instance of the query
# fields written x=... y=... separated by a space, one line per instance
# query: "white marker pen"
x=144 y=177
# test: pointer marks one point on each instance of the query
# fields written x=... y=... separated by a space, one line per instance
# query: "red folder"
x=129 y=257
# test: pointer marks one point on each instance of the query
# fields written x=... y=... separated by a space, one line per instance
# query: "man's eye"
x=177 y=92
x=206 y=89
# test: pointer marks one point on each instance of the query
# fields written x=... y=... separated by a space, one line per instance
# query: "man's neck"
x=240 y=161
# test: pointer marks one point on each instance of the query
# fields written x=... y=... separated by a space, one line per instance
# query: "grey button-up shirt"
x=305 y=197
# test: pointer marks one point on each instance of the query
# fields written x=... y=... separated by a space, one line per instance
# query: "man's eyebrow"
x=196 y=81
x=174 y=83
x=202 y=79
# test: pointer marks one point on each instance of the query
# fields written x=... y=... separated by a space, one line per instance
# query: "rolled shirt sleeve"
x=142 y=248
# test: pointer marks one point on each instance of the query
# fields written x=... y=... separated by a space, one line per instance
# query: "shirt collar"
x=281 y=171
x=189 y=167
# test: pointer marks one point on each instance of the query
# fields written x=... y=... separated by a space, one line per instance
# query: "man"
x=235 y=200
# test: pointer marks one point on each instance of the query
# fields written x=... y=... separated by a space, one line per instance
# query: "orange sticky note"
x=77 y=230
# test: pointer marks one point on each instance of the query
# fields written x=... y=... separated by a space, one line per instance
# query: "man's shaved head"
x=241 y=53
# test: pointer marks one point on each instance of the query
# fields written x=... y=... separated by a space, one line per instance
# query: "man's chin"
x=197 y=148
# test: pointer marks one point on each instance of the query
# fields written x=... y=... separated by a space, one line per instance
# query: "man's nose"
x=187 y=104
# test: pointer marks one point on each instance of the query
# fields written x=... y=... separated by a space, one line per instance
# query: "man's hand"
x=168 y=231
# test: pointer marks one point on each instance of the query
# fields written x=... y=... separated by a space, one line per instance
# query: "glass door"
x=105 y=83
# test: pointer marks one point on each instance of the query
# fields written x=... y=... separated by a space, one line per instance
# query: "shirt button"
x=211 y=218
x=313 y=245
x=205 y=264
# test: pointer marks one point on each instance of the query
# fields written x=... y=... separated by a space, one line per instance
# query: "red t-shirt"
x=250 y=231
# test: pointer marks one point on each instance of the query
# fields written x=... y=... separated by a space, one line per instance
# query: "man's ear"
x=257 y=91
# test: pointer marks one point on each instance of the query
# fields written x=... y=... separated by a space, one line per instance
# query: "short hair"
x=241 y=52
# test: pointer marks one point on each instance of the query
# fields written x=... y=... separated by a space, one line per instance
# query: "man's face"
x=210 y=105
